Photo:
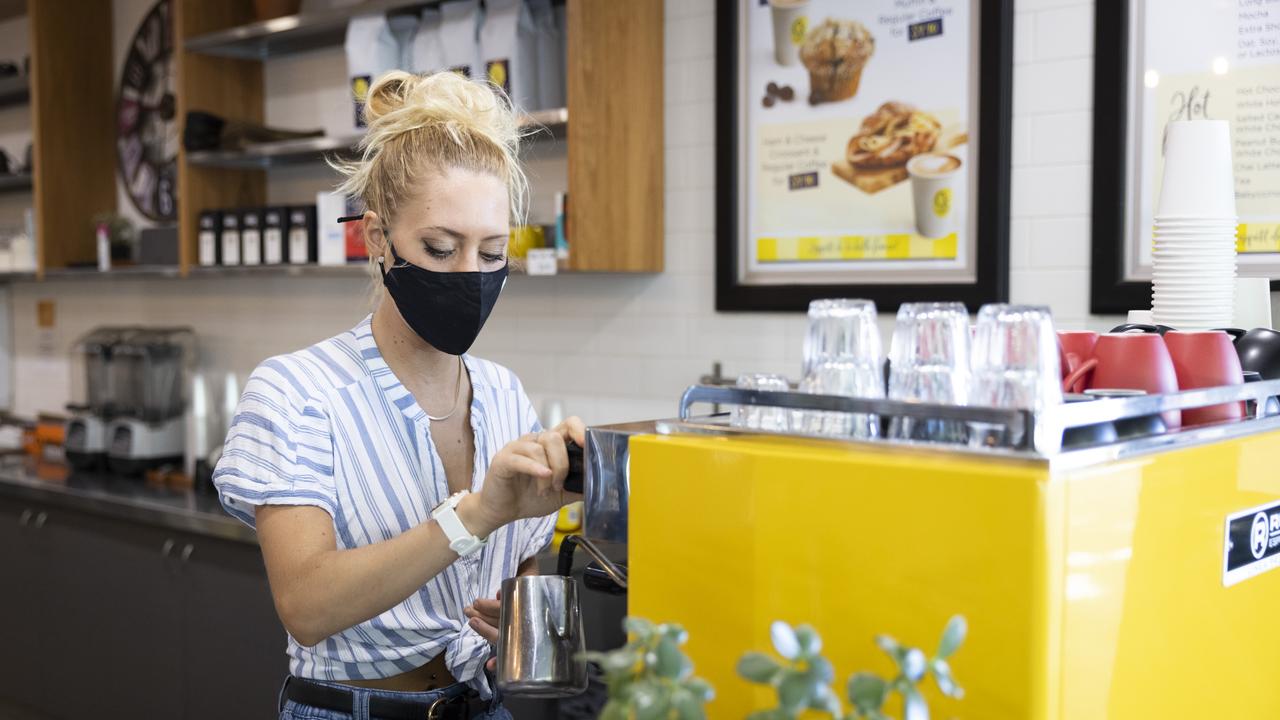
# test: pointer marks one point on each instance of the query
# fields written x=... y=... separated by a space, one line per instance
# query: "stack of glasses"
x=1009 y=360
x=1194 y=266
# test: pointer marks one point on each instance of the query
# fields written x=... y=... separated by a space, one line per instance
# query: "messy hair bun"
x=419 y=123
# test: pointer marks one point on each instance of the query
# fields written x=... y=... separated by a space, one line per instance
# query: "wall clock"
x=146 y=122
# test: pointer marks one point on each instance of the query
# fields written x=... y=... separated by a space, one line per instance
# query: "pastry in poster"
x=876 y=156
x=835 y=53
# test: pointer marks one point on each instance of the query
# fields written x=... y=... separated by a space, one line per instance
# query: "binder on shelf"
x=230 y=239
x=275 y=223
x=210 y=250
x=251 y=236
x=302 y=235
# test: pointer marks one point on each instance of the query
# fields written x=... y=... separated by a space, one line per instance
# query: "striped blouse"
x=331 y=427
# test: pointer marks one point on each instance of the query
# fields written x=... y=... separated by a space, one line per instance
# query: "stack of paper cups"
x=1195 y=229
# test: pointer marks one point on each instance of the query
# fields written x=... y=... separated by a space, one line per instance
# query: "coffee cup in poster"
x=935 y=185
x=790 y=23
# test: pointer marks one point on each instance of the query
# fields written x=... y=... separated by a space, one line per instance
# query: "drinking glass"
x=929 y=363
x=1014 y=362
x=758 y=417
x=842 y=356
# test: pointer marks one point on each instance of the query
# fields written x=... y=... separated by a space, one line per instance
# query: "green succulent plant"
x=650 y=678
x=802 y=681
x=868 y=692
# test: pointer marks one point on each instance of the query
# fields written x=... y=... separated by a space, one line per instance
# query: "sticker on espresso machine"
x=1252 y=544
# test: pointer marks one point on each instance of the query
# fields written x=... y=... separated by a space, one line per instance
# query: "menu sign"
x=858 y=136
x=1218 y=61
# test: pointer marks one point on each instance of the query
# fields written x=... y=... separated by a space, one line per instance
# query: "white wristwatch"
x=461 y=540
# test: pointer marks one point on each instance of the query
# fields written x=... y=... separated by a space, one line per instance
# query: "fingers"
x=487 y=609
x=492 y=665
x=553 y=446
x=573 y=429
x=536 y=452
x=484 y=630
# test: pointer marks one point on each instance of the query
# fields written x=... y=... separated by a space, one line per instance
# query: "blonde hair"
x=423 y=123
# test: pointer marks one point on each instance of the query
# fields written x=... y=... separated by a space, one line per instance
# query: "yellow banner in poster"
x=845 y=248
x=1256 y=238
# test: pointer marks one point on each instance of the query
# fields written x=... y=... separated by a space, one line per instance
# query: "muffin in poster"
x=857 y=132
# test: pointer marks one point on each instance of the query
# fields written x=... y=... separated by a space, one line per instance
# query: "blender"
x=150 y=369
x=94 y=397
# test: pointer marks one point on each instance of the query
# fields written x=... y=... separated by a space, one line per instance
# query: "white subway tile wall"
x=610 y=347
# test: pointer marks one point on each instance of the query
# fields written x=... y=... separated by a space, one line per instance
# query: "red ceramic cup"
x=1074 y=348
x=1203 y=360
x=1130 y=361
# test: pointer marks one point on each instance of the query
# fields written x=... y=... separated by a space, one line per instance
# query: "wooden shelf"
x=14 y=91
x=15 y=183
x=264 y=156
x=290 y=34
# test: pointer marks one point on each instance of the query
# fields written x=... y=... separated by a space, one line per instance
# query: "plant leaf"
x=784 y=640
x=758 y=668
x=687 y=705
x=809 y=639
x=618 y=661
x=867 y=692
x=952 y=636
x=638 y=627
x=702 y=688
x=670 y=661
x=794 y=691
x=824 y=699
x=821 y=671
x=648 y=703
x=914 y=706
x=774 y=714
x=914 y=665
x=946 y=683
x=892 y=649
x=676 y=632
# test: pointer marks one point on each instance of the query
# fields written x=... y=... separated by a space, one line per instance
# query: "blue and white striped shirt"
x=331 y=427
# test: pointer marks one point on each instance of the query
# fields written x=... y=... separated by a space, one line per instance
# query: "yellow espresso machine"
x=1126 y=580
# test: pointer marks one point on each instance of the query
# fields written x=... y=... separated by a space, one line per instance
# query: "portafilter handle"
x=565 y=565
x=574 y=481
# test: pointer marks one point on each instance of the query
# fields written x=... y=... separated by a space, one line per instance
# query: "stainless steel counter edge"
x=15 y=484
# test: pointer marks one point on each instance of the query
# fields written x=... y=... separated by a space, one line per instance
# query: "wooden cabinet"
x=165 y=624
x=615 y=90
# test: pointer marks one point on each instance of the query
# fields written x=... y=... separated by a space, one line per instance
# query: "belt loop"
x=360 y=704
x=284 y=692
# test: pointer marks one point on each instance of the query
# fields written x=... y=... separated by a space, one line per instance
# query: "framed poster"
x=1164 y=60
x=862 y=150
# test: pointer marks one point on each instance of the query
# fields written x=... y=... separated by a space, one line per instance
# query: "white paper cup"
x=1197 y=179
x=790 y=22
x=935 y=192
x=1139 y=317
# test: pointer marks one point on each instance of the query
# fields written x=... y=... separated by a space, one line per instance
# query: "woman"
x=395 y=481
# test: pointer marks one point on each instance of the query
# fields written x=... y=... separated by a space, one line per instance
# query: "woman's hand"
x=525 y=479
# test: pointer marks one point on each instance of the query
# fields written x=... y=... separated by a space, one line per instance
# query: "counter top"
x=126 y=499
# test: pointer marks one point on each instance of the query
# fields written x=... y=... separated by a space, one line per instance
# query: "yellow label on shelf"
x=1255 y=238
x=844 y=248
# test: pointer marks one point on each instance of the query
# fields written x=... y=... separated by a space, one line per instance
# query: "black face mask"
x=447 y=309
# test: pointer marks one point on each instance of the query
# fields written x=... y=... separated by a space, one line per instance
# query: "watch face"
x=146 y=118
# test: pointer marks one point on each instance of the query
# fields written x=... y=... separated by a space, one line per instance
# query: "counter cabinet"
x=104 y=614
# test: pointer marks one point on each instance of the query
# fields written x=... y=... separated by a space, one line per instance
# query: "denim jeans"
x=360 y=703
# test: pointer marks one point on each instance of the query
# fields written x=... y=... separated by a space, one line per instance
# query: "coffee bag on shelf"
x=302 y=235
x=459 y=23
x=509 y=48
x=428 y=46
x=404 y=26
x=230 y=238
x=371 y=51
x=550 y=56
x=251 y=236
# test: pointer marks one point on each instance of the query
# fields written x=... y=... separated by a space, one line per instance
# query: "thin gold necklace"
x=457 y=394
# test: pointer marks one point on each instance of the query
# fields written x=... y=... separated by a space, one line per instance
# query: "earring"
x=380 y=259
